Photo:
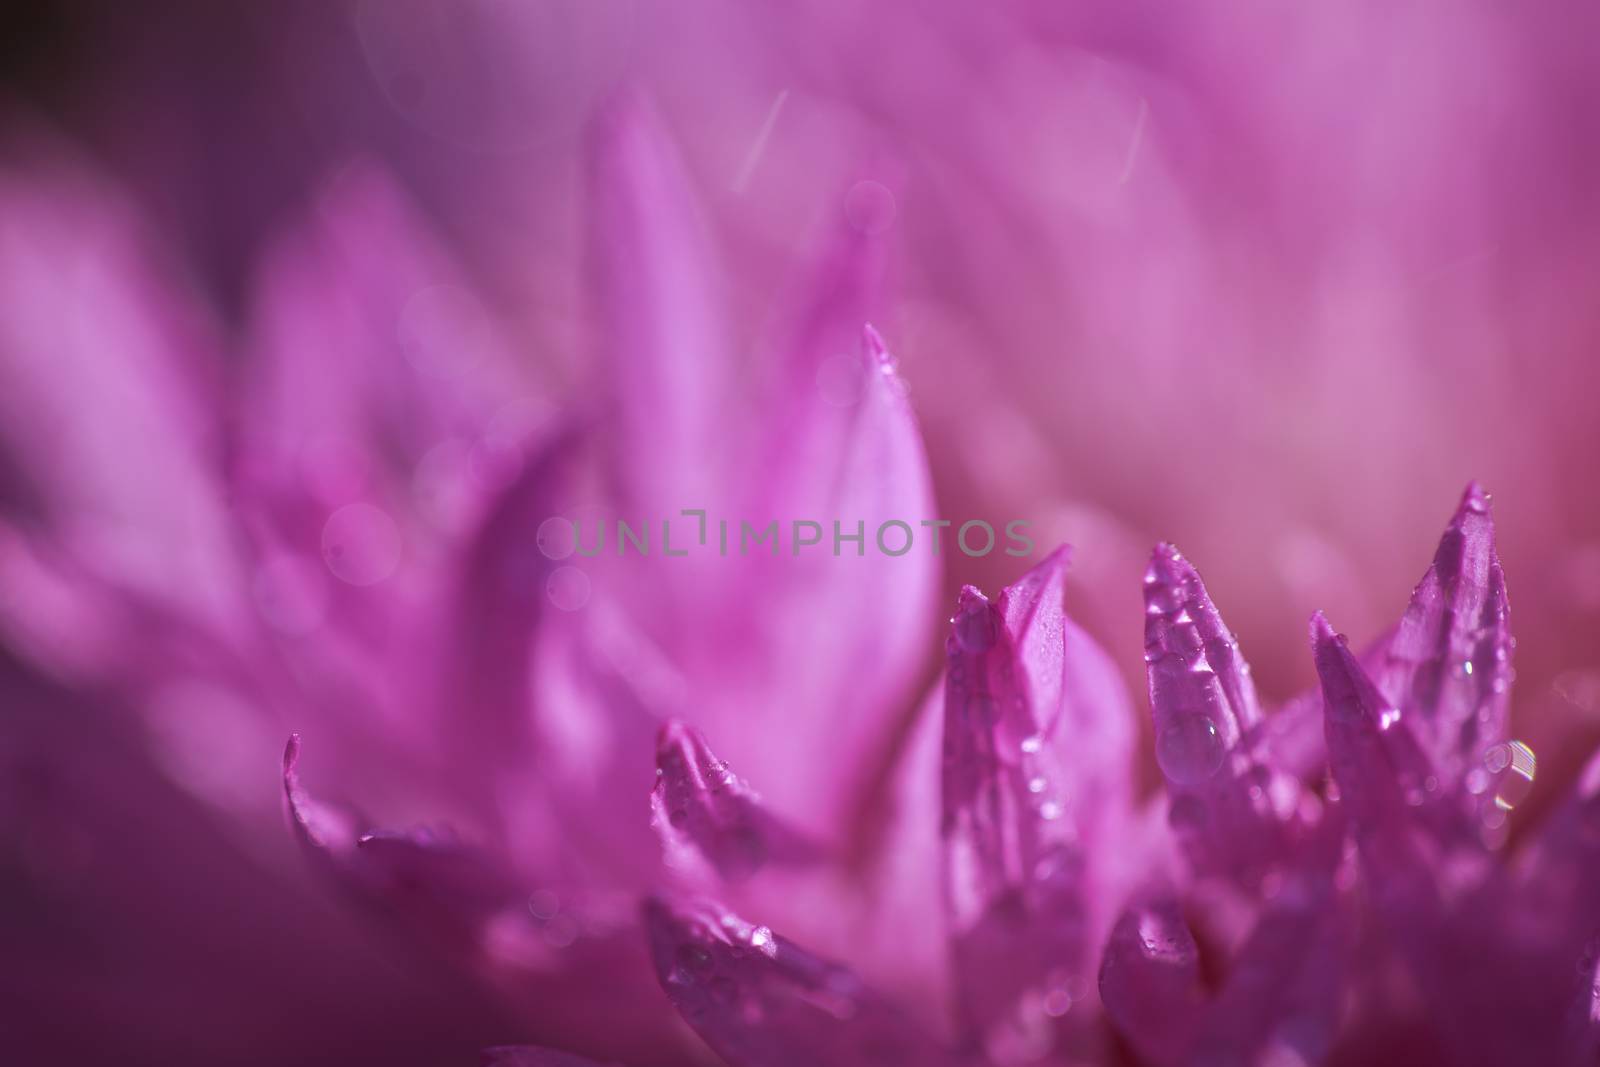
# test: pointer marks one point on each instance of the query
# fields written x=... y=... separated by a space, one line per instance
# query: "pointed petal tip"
x=1475 y=498
x=1321 y=630
x=676 y=735
x=872 y=342
x=291 y=754
x=1168 y=570
x=969 y=596
x=1059 y=558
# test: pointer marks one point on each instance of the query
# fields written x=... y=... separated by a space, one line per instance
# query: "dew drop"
x=1190 y=749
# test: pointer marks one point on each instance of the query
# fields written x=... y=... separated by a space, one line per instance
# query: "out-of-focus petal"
x=1037 y=746
x=867 y=645
x=759 y=1000
x=706 y=815
x=1232 y=813
x=1281 y=1001
x=668 y=361
x=572 y=960
x=1583 y=1019
x=106 y=368
x=1150 y=980
x=370 y=358
x=1429 y=879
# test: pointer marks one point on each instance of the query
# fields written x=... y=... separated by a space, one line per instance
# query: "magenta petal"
x=455 y=886
x=499 y=600
x=573 y=960
x=761 y=1001
x=1150 y=980
x=1281 y=1002
x=323 y=829
x=707 y=815
x=668 y=357
x=1583 y=1017
x=1381 y=773
x=1448 y=666
x=1426 y=873
x=1037 y=740
x=107 y=367
x=1230 y=810
x=862 y=466
x=371 y=361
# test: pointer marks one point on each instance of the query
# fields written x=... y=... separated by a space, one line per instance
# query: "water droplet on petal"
x=1190 y=749
x=361 y=544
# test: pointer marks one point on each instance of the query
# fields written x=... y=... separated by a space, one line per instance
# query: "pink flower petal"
x=1281 y=1001
x=707 y=815
x=573 y=960
x=1281 y=998
x=1448 y=667
x=1150 y=980
x=1037 y=746
x=759 y=1000
x=107 y=367
x=668 y=360
x=1232 y=812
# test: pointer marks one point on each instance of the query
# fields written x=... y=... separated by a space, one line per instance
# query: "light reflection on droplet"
x=1189 y=749
x=1516 y=766
x=443 y=331
x=557 y=537
x=361 y=544
x=443 y=484
x=568 y=588
x=543 y=904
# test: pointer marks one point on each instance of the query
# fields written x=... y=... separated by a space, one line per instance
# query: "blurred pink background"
x=1269 y=282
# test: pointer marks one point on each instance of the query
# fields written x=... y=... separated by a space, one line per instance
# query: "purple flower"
x=353 y=554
